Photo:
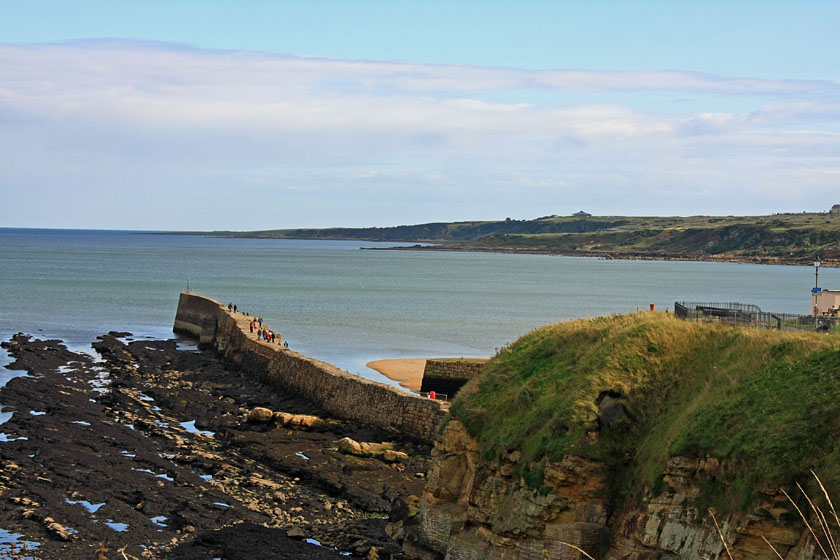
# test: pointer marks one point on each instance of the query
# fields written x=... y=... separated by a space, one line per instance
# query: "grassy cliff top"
x=764 y=401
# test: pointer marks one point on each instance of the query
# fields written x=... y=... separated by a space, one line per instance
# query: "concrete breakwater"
x=339 y=392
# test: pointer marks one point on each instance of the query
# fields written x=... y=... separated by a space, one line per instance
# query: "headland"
x=639 y=436
x=785 y=238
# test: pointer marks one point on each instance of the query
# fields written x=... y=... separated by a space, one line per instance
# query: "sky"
x=205 y=115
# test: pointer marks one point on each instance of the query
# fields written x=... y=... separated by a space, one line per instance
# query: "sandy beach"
x=408 y=372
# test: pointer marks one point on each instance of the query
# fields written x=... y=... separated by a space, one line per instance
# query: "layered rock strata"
x=474 y=509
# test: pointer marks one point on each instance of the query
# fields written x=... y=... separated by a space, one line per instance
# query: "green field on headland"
x=633 y=390
x=778 y=238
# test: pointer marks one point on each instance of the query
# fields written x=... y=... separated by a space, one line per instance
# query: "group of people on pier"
x=265 y=334
x=256 y=324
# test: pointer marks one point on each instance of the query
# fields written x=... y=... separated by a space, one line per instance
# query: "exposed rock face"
x=471 y=509
x=476 y=509
x=669 y=523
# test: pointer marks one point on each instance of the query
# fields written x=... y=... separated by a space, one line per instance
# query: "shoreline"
x=768 y=260
x=426 y=245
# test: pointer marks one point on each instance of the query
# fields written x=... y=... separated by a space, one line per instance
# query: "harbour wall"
x=338 y=392
x=449 y=375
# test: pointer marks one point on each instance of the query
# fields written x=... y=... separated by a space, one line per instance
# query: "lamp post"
x=817 y=264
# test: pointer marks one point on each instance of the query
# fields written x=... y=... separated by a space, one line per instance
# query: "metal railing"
x=437 y=396
x=734 y=313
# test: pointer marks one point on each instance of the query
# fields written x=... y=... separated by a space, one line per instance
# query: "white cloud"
x=81 y=119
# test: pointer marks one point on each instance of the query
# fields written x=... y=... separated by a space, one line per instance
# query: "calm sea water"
x=337 y=303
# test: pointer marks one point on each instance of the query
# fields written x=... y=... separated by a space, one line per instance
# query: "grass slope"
x=764 y=401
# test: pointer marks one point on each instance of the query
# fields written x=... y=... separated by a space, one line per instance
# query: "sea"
x=342 y=303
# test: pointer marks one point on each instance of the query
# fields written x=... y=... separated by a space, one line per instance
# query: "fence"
x=734 y=313
x=437 y=397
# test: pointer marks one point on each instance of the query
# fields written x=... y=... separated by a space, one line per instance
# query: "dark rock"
x=295 y=533
x=123 y=445
x=247 y=541
x=613 y=412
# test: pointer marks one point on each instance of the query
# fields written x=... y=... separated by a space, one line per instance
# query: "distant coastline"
x=778 y=239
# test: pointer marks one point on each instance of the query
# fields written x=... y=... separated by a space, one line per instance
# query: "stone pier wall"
x=449 y=375
x=339 y=392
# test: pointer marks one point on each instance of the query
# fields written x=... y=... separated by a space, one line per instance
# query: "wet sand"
x=408 y=372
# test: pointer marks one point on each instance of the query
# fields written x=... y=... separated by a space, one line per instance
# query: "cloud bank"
x=156 y=136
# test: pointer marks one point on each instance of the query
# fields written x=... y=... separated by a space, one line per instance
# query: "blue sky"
x=250 y=115
x=768 y=39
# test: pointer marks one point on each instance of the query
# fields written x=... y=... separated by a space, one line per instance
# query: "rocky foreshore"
x=154 y=451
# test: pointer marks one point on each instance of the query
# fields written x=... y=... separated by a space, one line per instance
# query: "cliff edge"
x=638 y=436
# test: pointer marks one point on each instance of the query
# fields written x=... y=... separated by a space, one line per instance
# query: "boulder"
x=382 y=451
x=295 y=533
x=63 y=533
x=296 y=421
x=260 y=415
x=392 y=456
x=349 y=446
